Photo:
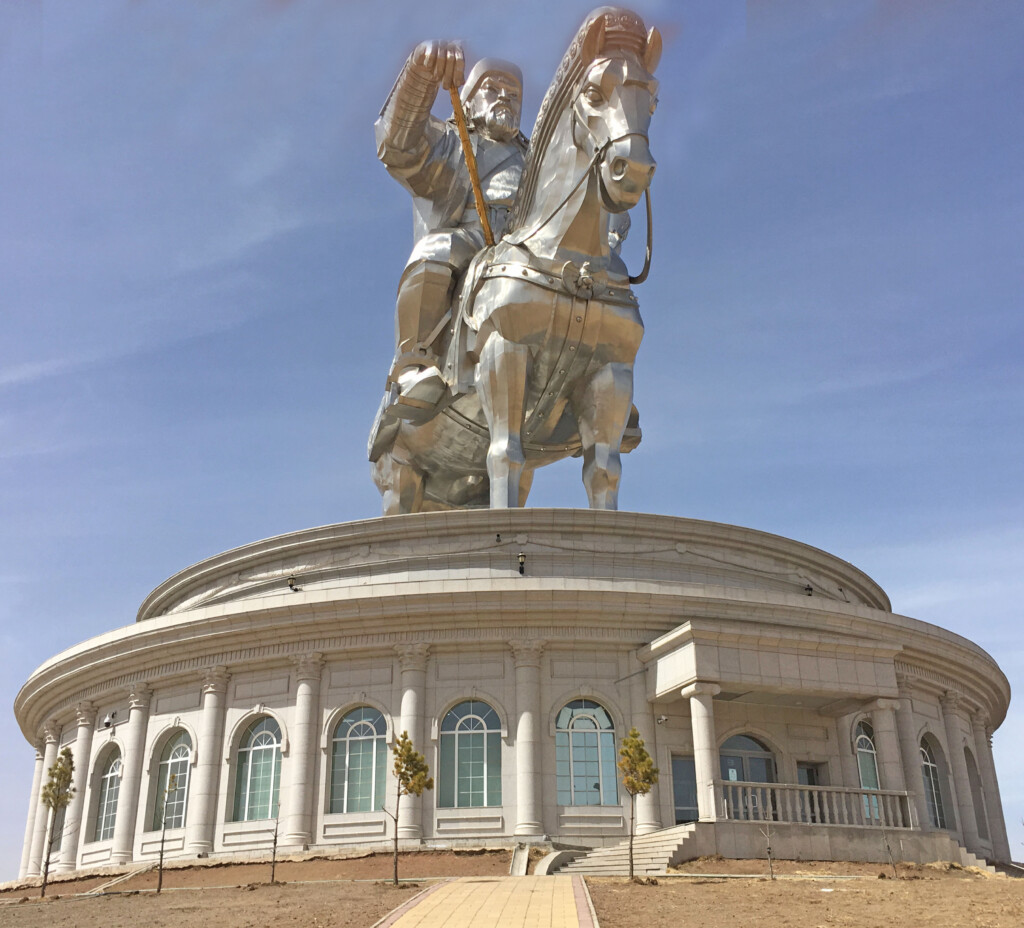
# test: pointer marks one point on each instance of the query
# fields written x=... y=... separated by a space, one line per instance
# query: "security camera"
x=107 y=722
x=662 y=719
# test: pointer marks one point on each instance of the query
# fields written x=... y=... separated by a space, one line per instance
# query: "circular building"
x=260 y=690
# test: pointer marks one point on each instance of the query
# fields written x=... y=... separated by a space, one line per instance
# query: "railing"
x=820 y=805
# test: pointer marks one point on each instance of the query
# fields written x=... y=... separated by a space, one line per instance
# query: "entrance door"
x=744 y=759
x=684 y=789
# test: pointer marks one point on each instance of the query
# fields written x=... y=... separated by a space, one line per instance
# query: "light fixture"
x=661 y=719
x=292 y=586
x=522 y=563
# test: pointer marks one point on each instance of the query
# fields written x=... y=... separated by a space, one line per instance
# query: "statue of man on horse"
x=516 y=324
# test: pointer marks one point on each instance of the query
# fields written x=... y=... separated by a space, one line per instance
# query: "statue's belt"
x=569 y=279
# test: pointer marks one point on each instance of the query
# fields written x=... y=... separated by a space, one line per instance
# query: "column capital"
x=308 y=666
x=980 y=719
x=700 y=688
x=139 y=695
x=215 y=679
x=39 y=747
x=412 y=656
x=85 y=714
x=527 y=651
x=951 y=701
x=51 y=731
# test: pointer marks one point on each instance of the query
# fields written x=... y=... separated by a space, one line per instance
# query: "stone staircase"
x=652 y=854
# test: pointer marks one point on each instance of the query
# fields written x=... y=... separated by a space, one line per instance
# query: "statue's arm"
x=404 y=130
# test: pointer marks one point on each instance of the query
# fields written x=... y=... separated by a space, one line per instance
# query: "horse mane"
x=621 y=31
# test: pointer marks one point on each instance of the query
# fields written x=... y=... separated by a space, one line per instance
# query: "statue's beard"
x=501 y=122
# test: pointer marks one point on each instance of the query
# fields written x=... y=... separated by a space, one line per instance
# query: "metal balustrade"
x=818 y=805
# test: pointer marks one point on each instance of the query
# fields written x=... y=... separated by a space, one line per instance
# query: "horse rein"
x=599 y=154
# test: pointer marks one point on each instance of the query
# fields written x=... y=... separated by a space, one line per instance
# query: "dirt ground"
x=807 y=895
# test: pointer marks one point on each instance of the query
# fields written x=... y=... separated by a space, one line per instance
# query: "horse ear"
x=652 y=54
x=593 y=41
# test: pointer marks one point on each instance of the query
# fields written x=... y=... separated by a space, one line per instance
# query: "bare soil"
x=813 y=895
x=807 y=895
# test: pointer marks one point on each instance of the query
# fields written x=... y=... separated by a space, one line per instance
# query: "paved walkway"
x=498 y=902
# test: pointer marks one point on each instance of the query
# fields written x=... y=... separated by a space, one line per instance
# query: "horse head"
x=613 y=105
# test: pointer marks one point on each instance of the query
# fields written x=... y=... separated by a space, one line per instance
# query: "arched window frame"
x=469 y=755
x=585 y=751
x=340 y=797
x=931 y=775
x=764 y=750
x=258 y=770
x=176 y=756
x=866 y=754
x=108 y=790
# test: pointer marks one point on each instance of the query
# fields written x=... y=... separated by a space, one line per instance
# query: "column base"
x=120 y=857
x=200 y=848
x=647 y=828
x=410 y=833
x=298 y=841
x=530 y=830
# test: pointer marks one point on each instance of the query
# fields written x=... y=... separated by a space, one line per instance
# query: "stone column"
x=529 y=816
x=201 y=813
x=958 y=764
x=85 y=717
x=647 y=818
x=910 y=753
x=51 y=739
x=413 y=661
x=847 y=752
x=123 y=847
x=887 y=746
x=33 y=808
x=990 y=783
x=299 y=803
x=705 y=745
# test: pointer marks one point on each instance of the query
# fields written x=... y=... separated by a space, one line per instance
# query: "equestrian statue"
x=516 y=326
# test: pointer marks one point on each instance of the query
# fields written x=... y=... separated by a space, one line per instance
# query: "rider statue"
x=426 y=156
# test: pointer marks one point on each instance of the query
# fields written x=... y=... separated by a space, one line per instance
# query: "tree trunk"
x=632 y=826
x=48 y=845
x=398 y=799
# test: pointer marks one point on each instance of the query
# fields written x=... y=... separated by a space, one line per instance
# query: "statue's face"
x=496 y=105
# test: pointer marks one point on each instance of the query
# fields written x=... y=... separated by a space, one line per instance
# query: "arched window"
x=585 y=755
x=932 y=790
x=258 y=777
x=867 y=759
x=172 y=782
x=106 y=807
x=470 y=757
x=358 y=762
x=745 y=758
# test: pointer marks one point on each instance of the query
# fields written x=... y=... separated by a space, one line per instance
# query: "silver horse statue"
x=545 y=326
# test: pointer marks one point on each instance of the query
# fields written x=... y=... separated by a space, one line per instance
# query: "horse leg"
x=400 y=485
x=602 y=406
x=501 y=385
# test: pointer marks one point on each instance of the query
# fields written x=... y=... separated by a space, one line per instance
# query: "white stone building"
x=770 y=680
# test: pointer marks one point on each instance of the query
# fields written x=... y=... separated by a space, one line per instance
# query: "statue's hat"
x=483 y=68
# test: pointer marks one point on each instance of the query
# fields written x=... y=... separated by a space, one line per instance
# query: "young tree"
x=411 y=772
x=638 y=778
x=56 y=795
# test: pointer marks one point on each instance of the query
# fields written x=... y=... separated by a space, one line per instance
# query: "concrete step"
x=652 y=854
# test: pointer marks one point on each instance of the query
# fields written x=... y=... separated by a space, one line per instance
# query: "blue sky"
x=199 y=252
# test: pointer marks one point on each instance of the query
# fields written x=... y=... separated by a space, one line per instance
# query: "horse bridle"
x=598 y=156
